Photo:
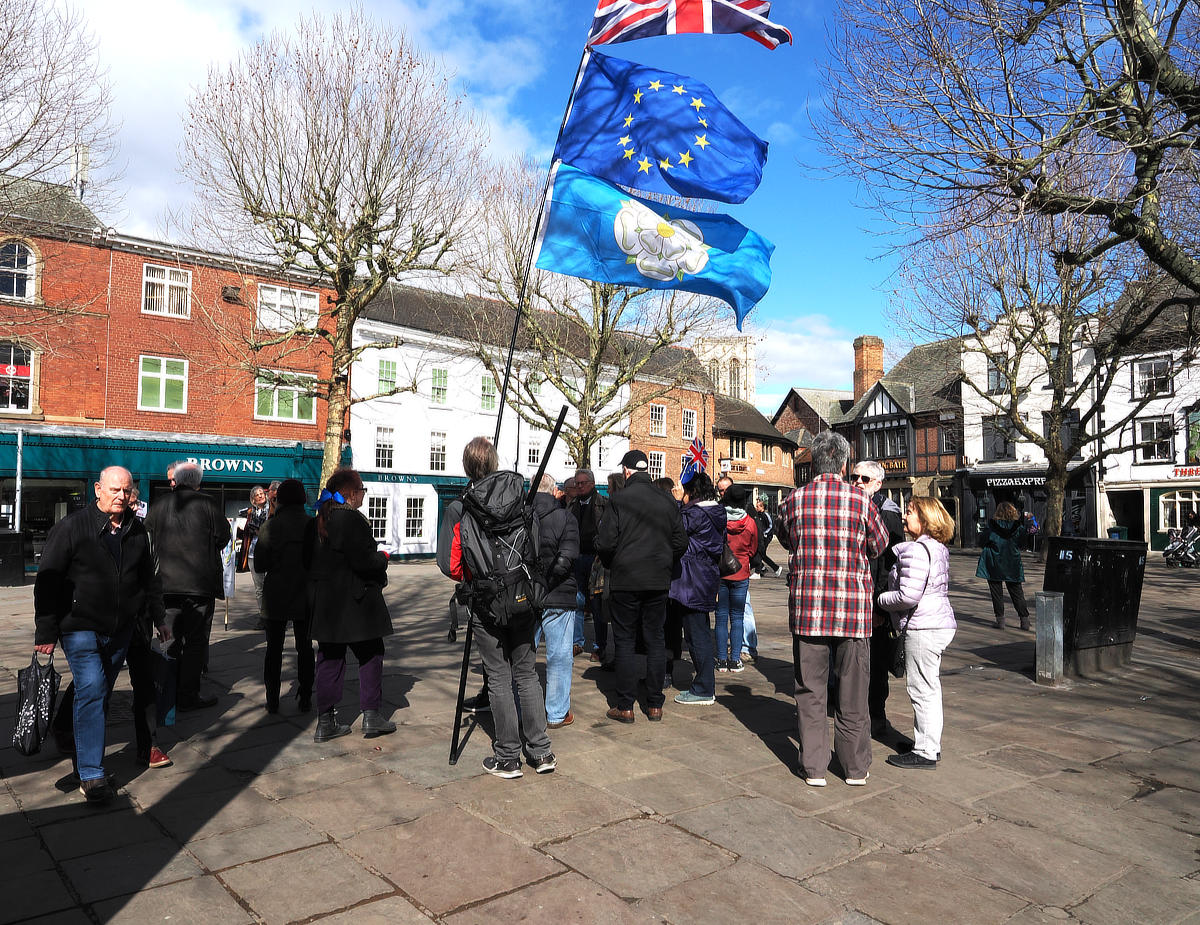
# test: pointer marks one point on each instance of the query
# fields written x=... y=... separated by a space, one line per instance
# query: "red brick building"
x=664 y=425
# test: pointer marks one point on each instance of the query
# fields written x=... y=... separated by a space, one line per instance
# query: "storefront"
x=1147 y=510
x=58 y=467
x=984 y=488
x=405 y=511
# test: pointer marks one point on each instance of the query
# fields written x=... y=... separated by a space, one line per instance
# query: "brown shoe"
x=576 y=651
x=621 y=716
x=595 y=656
x=565 y=721
x=654 y=714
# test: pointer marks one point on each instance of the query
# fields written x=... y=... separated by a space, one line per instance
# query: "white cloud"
x=805 y=352
x=781 y=133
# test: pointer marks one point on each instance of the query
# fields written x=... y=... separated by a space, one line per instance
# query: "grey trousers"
x=851 y=722
x=509 y=657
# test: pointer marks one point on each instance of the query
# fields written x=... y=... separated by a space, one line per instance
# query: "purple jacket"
x=696 y=576
x=919 y=584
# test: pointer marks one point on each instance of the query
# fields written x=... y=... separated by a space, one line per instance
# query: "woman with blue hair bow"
x=348 y=575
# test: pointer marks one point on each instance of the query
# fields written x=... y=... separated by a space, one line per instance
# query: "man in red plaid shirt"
x=832 y=530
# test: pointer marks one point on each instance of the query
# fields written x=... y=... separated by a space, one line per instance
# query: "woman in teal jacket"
x=1000 y=562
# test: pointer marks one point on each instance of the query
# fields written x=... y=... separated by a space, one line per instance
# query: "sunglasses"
x=859 y=478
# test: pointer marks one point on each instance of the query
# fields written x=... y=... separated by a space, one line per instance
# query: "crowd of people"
x=656 y=565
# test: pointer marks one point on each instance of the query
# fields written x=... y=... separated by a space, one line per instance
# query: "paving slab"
x=193 y=817
x=670 y=792
x=899 y=818
x=24 y=862
x=1141 y=896
x=617 y=762
x=343 y=809
x=254 y=843
x=745 y=892
x=202 y=901
x=13 y=823
x=1177 y=765
x=772 y=835
x=1029 y=762
x=1145 y=737
x=1028 y=862
x=129 y=869
x=317 y=774
x=1052 y=739
x=640 y=857
x=303 y=883
x=391 y=910
x=1172 y=806
x=422 y=858
x=908 y=889
x=90 y=834
x=566 y=898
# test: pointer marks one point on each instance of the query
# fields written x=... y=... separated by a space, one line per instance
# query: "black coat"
x=189 y=532
x=641 y=536
x=348 y=576
x=281 y=554
x=881 y=566
x=558 y=545
x=588 y=517
x=80 y=586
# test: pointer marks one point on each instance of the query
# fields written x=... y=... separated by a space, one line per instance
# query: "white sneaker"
x=754 y=575
x=815 y=781
x=858 y=781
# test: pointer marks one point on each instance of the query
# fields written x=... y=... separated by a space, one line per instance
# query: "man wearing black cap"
x=640 y=539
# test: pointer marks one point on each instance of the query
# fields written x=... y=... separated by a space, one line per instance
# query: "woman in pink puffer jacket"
x=917 y=599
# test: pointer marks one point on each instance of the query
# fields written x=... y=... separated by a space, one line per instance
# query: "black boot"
x=328 y=727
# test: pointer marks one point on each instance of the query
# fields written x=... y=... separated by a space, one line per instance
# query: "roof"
x=924 y=380
x=740 y=417
x=38 y=203
x=474 y=319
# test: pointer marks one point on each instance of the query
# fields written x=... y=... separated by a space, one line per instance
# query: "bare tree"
x=588 y=340
x=998 y=108
x=1042 y=339
x=341 y=152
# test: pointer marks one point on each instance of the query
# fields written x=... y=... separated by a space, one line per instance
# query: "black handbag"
x=729 y=564
x=37 y=689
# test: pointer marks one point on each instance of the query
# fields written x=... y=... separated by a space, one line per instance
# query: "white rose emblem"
x=660 y=248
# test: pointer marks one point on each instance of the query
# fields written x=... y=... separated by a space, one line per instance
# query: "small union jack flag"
x=697 y=461
x=624 y=20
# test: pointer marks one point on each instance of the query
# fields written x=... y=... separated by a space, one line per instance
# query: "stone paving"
x=1070 y=804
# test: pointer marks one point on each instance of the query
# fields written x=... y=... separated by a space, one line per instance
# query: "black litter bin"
x=12 y=559
x=1101 y=582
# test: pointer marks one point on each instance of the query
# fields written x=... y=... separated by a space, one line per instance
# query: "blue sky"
x=830 y=275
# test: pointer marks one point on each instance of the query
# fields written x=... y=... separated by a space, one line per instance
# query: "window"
x=886 y=443
x=286 y=397
x=281 y=309
x=1154 y=438
x=1151 y=377
x=1068 y=370
x=714 y=373
x=166 y=291
x=996 y=440
x=1174 y=507
x=735 y=379
x=658 y=420
x=658 y=464
x=533 y=455
x=737 y=448
x=948 y=439
x=387 y=376
x=997 y=380
x=487 y=393
x=162 y=384
x=600 y=455
x=1069 y=430
x=437 y=451
x=17 y=269
x=768 y=452
x=16 y=377
x=384 y=444
x=1193 y=437
x=439 y=386
x=414 y=518
x=689 y=424
x=377 y=517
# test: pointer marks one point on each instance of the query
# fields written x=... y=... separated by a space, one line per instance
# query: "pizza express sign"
x=1019 y=481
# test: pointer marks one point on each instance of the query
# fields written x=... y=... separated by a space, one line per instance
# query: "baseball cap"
x=635 y=459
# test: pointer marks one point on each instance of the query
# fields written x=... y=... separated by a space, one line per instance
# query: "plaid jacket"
x=832 y=530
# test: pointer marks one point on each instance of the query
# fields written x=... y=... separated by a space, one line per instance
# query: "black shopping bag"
x=37 y=689
x=165 y=678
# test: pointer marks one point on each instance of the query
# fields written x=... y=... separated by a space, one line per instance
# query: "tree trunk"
x=339 y=395
x=1056 y=487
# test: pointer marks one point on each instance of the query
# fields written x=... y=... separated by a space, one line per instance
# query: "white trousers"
x=923 y=661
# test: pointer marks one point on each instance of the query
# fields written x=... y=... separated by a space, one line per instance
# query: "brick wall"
x=672 y=444
x=751 y=468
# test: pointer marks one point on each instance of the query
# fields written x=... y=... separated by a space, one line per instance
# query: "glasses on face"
x=856 y=477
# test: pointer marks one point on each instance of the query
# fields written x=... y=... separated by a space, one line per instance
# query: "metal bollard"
x=1049 y=637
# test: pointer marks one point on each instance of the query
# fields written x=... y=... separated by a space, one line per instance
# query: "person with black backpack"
x=489 y=543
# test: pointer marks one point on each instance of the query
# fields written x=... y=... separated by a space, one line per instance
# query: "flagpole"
x=533 y=244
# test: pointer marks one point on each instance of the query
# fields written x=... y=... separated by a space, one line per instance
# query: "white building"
x=408 y=446
x=731 y=363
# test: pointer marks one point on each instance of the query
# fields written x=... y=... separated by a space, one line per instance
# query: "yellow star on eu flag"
x=678 y=88
x=702 y=141
x=665 y=163
x=624 y=140
x=656 y=85
x=697 y=103
x=628 y=120
x=629 y=154
x=637 y=96
x=644 y=165
x=685 y=158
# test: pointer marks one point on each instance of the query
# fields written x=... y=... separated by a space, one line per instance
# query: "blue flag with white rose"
x=597 y=231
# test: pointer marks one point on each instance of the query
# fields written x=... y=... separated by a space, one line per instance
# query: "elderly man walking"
x=189 y=532
x=97 y=573
x=832 y=531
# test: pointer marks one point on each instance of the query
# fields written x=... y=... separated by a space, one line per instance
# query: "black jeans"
x=881 y=659
x=1016 y=595
x=189 y=616
x=273 y=659
x=639 y=613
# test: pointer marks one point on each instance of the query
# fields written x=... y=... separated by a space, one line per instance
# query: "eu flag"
x=595 y=231
x=652 y=130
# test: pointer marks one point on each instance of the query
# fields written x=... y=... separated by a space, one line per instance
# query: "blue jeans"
x=557 y=627
x=731 y=606
x=700 y=644
x=95 y=661
x=749 y=630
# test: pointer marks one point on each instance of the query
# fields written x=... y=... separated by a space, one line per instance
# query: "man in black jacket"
x=558 y=548
x=189 y=532
x=98 y=571
x=588 y=506
x=640 y=539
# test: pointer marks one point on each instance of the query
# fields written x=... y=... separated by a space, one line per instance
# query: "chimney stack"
x=868 y=364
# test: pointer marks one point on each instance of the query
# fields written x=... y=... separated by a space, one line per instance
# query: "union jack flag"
x=623 y=20
x=697 y=461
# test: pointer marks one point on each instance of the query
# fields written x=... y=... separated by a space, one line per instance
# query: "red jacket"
x=743 y=540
